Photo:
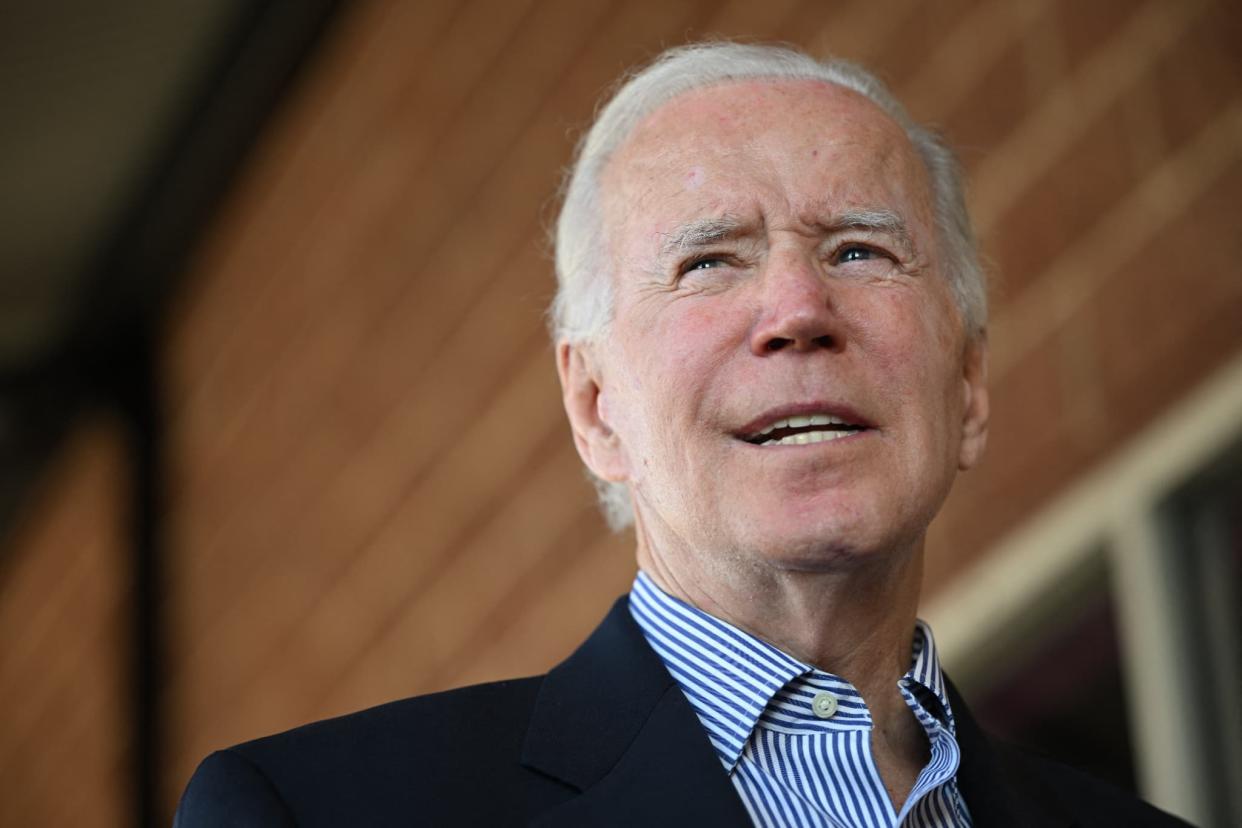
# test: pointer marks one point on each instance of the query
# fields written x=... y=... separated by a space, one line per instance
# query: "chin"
x=820 y=557
x=816 y=536
x=822 y=544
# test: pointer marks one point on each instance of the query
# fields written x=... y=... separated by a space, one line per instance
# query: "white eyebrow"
x=698 y=233
x=709 y=231
x=876 y=221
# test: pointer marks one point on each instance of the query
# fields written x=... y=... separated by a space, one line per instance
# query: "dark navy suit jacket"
x=604 y=739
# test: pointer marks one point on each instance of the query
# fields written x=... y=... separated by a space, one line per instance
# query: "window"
x=1107 y=631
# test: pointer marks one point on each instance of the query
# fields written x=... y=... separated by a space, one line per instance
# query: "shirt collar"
x=731 y=677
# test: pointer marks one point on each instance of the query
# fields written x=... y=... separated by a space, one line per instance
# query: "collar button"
x=824 y=705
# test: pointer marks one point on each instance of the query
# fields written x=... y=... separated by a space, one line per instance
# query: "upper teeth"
x=803 y=421
x=810 y=420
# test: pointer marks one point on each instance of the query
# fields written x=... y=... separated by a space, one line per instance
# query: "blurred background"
x=280 y=434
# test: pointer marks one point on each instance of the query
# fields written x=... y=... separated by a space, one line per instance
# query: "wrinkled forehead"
x=773 y=131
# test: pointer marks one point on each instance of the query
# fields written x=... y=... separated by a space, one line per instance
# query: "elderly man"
x=770 y=337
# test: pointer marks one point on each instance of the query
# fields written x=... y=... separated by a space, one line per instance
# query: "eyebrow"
x=699 y=233
x=875 y=221
x=709 y=231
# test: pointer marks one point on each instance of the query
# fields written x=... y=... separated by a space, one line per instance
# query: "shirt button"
x=824 y=705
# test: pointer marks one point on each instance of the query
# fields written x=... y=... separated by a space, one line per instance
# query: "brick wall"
x=373 y=492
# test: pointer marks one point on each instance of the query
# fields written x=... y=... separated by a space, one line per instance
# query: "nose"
x=796 y=309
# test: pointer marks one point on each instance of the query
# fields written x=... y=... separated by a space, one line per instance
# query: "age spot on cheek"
x=695 y=178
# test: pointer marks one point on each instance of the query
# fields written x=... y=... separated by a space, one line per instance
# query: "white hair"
x=582 y=308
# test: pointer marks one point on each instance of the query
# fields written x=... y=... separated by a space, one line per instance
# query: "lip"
x=773 y=415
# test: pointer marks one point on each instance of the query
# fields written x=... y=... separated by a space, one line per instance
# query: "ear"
x=975 y=396
x=582 y=392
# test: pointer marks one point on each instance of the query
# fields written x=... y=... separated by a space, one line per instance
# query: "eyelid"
x=839 y=249
x=894 y=245
x=693 y=262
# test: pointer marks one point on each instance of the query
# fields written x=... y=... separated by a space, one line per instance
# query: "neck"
x=854 y=619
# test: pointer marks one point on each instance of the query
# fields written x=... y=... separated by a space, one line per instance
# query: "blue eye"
x=855 y=253
x=707 y=263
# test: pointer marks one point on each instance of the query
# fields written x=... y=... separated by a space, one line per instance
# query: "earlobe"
x=975 y=411
x=583 y=394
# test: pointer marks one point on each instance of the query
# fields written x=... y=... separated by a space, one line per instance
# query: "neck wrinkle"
x=856 y=623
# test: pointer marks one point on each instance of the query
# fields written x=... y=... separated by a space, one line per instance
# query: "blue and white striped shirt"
x=796 y=741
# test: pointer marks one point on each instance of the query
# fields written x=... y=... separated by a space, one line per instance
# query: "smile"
x=804 y=430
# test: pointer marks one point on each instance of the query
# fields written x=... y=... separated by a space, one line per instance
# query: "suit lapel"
x=611 y=722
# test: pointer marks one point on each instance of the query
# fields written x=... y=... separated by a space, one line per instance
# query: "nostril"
x=823 y=341
x=776 y=343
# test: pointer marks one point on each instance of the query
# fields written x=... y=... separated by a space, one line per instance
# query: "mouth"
x=803 y=429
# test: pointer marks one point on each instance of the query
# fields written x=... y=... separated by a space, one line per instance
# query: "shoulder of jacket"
x=1088 y=800
x=376 y=766
x=494 y=706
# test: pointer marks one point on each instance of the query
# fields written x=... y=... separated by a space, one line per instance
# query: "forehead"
x=756 y=145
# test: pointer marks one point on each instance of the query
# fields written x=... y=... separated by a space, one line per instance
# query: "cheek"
x=690 y=343
x=887 y=325
x=700 y=320
x=914 y=342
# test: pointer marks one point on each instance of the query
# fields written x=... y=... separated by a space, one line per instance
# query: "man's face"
x=775 y=259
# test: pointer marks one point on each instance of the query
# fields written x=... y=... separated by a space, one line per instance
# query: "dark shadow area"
x=88 y=302
x=1202 y=521
x=1065 y=697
